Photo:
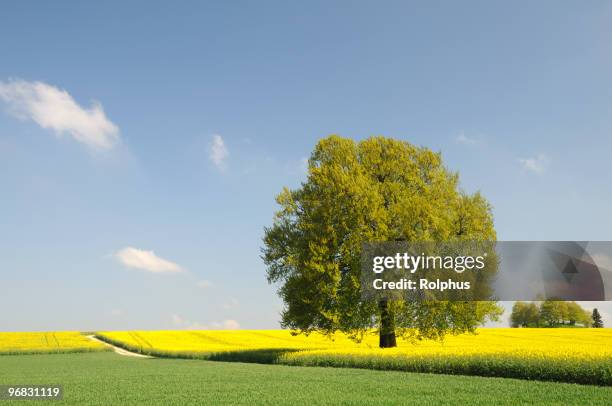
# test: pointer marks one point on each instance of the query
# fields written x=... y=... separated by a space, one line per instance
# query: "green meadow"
x=106 y=378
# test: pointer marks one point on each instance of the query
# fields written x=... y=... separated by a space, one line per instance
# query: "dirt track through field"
x=119 y=350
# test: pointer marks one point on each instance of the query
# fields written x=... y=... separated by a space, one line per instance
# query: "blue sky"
x=130 y=127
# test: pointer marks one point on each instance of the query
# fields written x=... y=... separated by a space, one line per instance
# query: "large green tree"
x=379 y=189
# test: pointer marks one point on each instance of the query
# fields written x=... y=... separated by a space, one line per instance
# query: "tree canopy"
x=379 y=189
x=550 y=313
x=525 y=315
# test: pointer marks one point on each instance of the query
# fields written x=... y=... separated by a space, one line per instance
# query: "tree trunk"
x=387 y=327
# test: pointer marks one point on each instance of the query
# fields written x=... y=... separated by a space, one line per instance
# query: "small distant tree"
x=518 y=316
x=576 y=314
x=532 y=315
x=597 y=321
x=551 y=313
x=563 y=312
x=524 y=315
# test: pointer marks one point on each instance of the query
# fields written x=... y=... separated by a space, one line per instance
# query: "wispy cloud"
x=177 y=320
x=204 y=284
x=146 y=261
x=538 y=164
x=182 y=323
x=228 y=324
x=55 y=109
x=464 y=139
x=218 y=152
x=231 y=303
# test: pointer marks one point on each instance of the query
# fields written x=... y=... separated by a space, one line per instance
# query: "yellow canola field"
x=50 y=342
x=554 y=343
x=561 y=354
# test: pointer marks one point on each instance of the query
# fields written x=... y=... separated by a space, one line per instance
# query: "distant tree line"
x=553 y=313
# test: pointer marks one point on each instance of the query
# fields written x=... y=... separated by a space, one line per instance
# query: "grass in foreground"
x=41 y=343
x=564 y=355
x=107 y=378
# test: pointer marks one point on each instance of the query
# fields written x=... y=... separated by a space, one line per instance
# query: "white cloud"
x=145 y=260
x=228 y=324
x=538 y=164
x=182 y=323
x=218 y=152
x=232 y=303
x=55 y=109
x=177 y=320
x=204 y=284
x=185 y=324
x=464 y=139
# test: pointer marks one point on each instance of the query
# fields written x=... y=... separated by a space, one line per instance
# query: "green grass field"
x=107 y=378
